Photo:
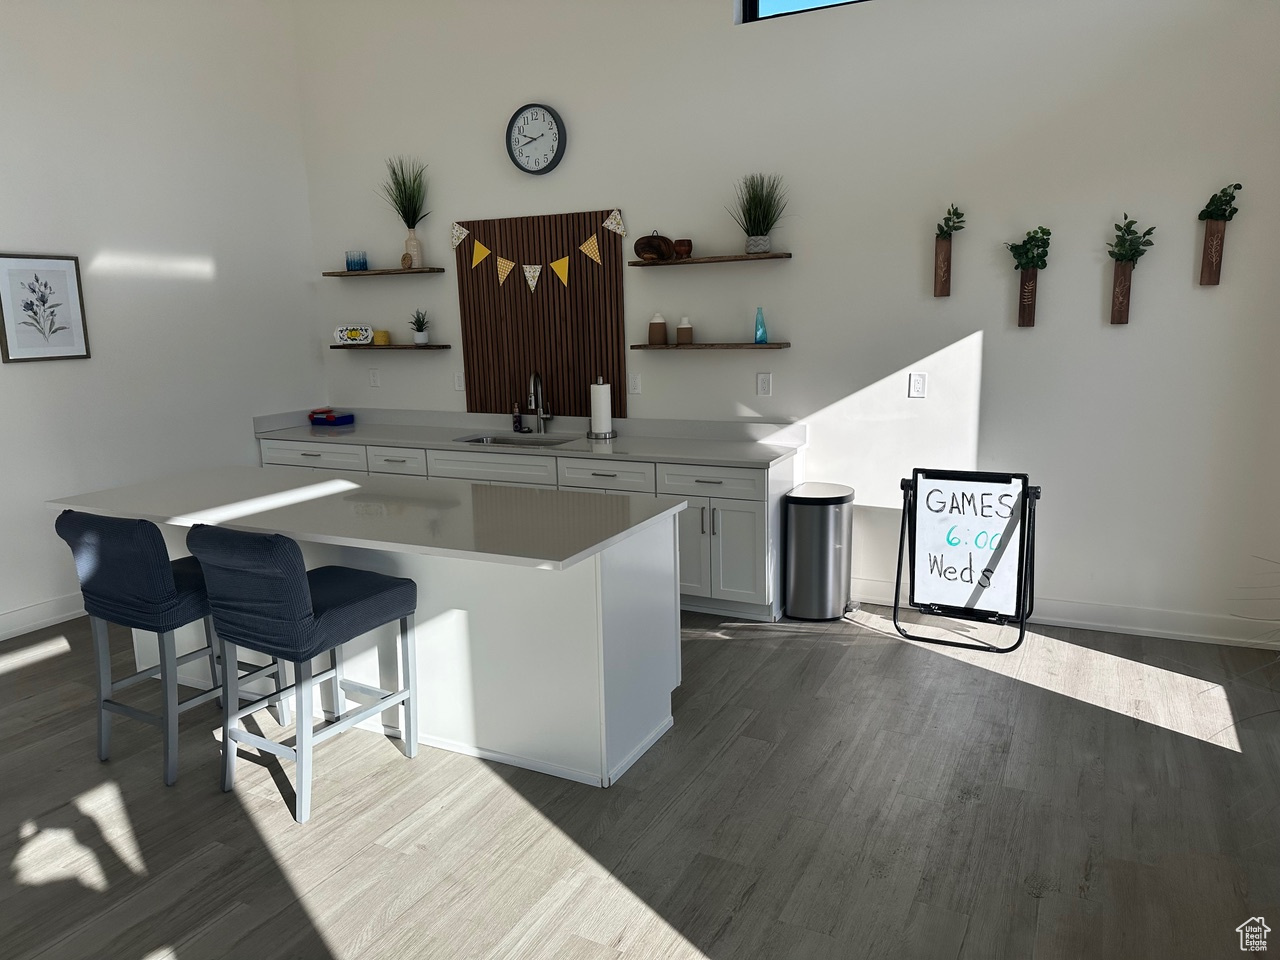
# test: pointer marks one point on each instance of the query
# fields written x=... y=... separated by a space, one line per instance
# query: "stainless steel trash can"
x=819 y=541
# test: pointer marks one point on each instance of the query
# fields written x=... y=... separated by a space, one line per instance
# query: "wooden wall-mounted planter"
x=1215 y=235
x=1027 y=284
x=942 y=266
x=1121 y=289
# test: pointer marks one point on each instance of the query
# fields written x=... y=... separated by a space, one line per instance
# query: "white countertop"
x=723 y=453
x=526 y=526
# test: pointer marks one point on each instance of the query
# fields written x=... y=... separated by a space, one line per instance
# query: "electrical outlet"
x=633 y=383
x=764 y=384
x=917 y=386
x=375 y=380
x=459 y=383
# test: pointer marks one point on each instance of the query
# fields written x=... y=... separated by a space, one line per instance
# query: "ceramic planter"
x=942 y=266
x=758 y=245
x=413 y=247
x=1027 y=283
x=420 y=336
x=1215 y=235
x=1121 y=288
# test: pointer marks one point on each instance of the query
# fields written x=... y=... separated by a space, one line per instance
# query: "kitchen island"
x=548 y=620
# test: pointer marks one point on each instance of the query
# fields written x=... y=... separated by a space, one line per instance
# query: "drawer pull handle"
x=708 y=481
x=704 y=519
x=313 y=454
x=394 y=460
x=604 y=474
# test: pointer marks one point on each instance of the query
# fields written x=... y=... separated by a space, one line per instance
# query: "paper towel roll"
x=601 y=408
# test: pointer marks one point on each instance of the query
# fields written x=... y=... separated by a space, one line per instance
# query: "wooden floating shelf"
x=384 y=273
x=779 y=345
x=731 y=258
x=390 y=346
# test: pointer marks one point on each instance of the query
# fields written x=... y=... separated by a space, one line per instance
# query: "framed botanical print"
x=42 y=308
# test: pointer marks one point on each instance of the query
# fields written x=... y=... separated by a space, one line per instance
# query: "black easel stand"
x=1028 y=545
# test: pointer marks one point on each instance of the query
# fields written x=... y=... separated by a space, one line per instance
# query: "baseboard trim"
x=759 y=612
x=640 y=749
x=526 y=763
x=47 y=613
x=1114 y=618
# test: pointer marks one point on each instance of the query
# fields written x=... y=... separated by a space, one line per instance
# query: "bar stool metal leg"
x=282 y=681
x=230 y=703
x=211 y=638
x=102 y=654
x=303 y=741
x=169 y=713
x=409 y=681
x=339 y=698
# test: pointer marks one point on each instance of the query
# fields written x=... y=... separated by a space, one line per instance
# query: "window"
x=766 y=9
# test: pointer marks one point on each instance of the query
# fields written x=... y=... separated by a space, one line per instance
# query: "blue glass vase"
x=762 y=335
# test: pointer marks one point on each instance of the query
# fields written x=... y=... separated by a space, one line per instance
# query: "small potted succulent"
x=419 y=325
x=761 y=200
x=1217 y=212
x=1128 y=248
x=953 y=222
x=405 y=189
x=1030 y=256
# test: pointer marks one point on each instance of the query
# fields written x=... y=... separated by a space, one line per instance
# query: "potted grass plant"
x=761 y=198
x=405 y=189
x=1220 y=209
x=1128 y=248
x=952 y=223
x=1030 y=256
x=419 y=325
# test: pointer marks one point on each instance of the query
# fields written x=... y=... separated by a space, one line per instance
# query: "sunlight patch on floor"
x=37 y=652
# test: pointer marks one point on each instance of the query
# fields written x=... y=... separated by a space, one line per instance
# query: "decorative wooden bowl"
x=655 y=247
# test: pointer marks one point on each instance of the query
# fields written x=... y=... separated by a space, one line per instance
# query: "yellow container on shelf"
x=381 y=338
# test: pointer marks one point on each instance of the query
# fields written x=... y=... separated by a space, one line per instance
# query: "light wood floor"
x=828 y=791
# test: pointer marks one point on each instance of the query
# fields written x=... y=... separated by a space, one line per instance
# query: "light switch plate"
x=764 y=384
x=374 y=379
x=917 y=386
x=633 y=383
x=459 y=383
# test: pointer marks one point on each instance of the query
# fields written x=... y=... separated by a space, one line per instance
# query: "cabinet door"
x=694 y=525
x=739 y=539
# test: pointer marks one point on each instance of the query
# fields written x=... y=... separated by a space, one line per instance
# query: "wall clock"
x=535 y=138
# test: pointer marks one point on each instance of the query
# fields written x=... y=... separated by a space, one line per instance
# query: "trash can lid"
x=820 y=493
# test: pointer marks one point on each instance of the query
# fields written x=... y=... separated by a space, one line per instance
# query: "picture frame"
x=41 y=308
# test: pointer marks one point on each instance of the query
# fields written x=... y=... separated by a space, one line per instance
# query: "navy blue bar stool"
x=263 y=598
x=126 y=578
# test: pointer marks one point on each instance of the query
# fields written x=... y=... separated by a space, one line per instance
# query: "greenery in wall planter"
x=952 y=223
x=419 y=325
x=1128 y=248
x=1030 y=256
x=405 y=189
x=1217 y=212
x=761 y=200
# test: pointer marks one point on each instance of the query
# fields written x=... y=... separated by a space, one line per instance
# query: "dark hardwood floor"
x=828 y=791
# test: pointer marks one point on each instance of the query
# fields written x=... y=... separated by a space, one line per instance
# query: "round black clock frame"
x=559 y=126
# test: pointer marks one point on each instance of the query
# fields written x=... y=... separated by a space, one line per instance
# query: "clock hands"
x=531 y=139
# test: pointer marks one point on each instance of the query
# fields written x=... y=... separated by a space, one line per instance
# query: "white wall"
x=1154 y=443
x=155 y=129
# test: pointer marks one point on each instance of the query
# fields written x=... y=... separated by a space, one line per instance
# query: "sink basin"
x=516 y=439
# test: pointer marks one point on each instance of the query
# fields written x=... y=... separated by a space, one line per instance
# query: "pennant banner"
x=478 y=254
x=531 y=274
x=614 y=223
x=591 y=249
x=561 y=268
x=504 y=268
x=458 y=233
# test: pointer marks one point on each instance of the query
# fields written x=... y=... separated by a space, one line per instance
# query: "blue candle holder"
x=356 y=260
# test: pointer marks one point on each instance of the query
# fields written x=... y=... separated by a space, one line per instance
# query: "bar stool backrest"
x=258 y=589
x=123 y=567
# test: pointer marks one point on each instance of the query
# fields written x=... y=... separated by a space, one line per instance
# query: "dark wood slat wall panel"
x=570 y=335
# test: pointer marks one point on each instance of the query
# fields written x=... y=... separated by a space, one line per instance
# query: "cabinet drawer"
x=326 y=456
x=733 y=483
x=502 y=467
x=398 y=460
x=624 y=475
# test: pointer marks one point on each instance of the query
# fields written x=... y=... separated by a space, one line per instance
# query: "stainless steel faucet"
x=537 y=404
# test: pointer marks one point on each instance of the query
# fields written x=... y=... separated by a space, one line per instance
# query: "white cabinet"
x=404 y=460
x=495 y=467
x=690 y=480
x=323 y=456
x=723 y=545
x=623 y=476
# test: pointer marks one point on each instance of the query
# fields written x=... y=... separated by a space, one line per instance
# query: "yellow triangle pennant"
x=561 y=268
x=504 y=268
x=478 y=254
x=592 y=249
x=531 y=273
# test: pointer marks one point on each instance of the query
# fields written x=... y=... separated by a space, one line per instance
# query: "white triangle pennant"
x=458 y=234
x=531 y=273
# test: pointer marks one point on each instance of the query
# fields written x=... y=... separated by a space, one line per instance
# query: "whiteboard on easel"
x=966 y=542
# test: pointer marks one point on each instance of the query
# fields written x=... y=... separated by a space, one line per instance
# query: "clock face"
x=535 y=138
